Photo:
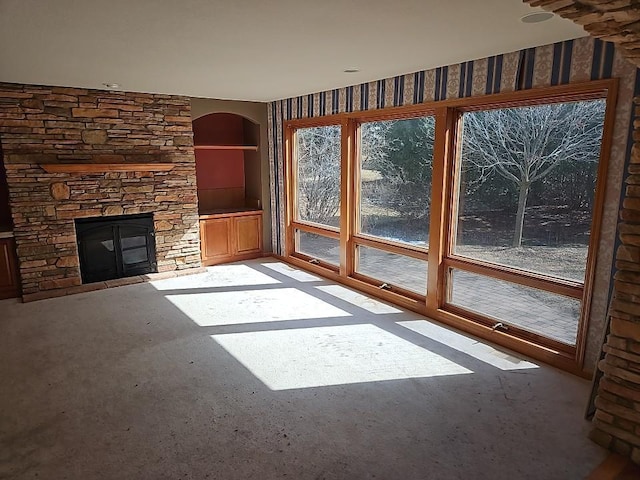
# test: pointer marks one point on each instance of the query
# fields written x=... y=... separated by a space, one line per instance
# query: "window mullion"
x=440 y=204
x=346 y=196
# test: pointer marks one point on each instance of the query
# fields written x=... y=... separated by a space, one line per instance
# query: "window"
x=543 y=313
x=318 y=247
x=525 y=199
x=318 y=175
x=483 y=210
x=396 y=159
x=316 y=162
x=395 y=270
x=527 y=184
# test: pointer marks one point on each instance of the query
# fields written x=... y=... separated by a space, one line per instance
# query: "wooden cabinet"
x=228 y=174
x=9 y=280
x=216 y=239
x=248 y=240
x=227 y=237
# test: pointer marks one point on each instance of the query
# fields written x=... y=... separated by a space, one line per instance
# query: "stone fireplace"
x=74 y=154
x=116 y=247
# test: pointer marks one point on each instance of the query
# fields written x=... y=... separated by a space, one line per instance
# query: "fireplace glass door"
x=115 y=247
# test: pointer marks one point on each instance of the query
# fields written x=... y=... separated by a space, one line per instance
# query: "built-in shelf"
x=229 y=212
x=226 y=147
x=106 y=167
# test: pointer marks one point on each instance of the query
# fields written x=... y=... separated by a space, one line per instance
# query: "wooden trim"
x=319 y=262
x=356 y=217
x=354 y=185
x=529 y=279
x=290 y=185
x=392 y=247
x=451 y=208
x=442 y=161
x=318 y=230
x=398 y=113
x=347 y=190
x=226 y=147
x=231 y=258
x=313 y=225
x=391 y=287
x=9 y=263
x=311 y=122
x=106 y=167
x=206 y=216
x=596 y=220
x=562 y=96
x=615 y=467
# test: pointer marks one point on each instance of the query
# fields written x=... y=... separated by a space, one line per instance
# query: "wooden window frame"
x=291 y=188
x=373 y=240
x=358 y=238
x=569 y=288
x=443 y=190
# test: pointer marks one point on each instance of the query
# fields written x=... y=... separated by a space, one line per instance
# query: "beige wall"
x=257 y=113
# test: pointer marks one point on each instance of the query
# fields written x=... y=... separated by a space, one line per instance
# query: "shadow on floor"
x=257 y=370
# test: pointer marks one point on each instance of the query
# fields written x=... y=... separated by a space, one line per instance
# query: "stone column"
x=617 y=419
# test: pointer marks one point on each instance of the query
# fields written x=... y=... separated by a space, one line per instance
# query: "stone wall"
x=617 y=419
x=40 y=125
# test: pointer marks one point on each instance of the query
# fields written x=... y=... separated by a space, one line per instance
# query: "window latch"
x=314 y=261
x=499 y=325
x=385 y=286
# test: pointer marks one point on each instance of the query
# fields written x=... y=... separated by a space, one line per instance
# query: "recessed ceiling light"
x=112 y=86
x=537 y=17
x=351 y=70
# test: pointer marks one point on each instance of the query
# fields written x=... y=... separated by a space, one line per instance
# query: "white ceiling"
x=254 y=49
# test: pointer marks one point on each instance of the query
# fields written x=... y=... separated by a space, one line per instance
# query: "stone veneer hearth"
x=40 y=125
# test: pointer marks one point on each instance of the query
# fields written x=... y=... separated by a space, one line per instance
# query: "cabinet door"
x=215 y=239
x=248 y=231
x=8 y=271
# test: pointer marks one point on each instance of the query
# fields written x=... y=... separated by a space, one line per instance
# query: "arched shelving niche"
x=229 y=182
x=227 y=162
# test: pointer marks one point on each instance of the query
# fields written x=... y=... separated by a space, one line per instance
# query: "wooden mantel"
x=106 y=167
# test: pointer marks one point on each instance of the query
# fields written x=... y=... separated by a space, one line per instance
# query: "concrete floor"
x=259 y=371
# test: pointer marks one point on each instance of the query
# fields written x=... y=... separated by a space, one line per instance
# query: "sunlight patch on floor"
x=323 y=356
x=253 y=306
x=481 y=351
x=291 y=272
x=358 y=299
x=216 y=277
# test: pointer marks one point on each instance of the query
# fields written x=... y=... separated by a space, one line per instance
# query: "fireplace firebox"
x=116 y=247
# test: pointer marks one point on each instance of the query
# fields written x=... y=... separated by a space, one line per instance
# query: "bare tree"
x=525 y=144
x=318 y=159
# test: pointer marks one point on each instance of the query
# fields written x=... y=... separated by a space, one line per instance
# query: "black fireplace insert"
x=116 y=247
